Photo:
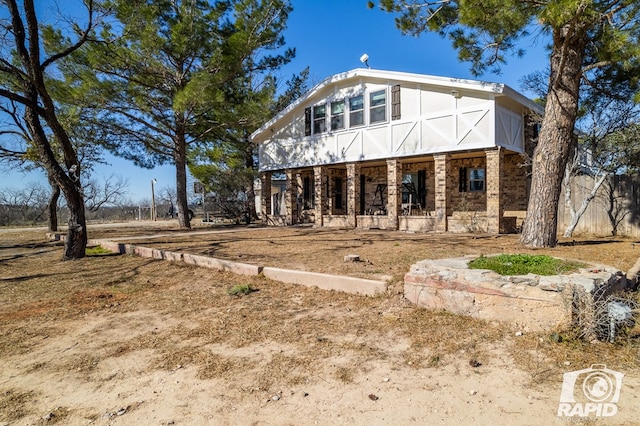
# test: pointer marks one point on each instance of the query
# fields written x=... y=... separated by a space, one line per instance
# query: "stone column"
x=319 y=178
x=394 y=192
x=442 y=171
x=265 y=195
x=494 y=178
x=290 y=197
x=353 y=193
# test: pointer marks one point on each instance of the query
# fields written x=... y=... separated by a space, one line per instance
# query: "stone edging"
x=290 y=276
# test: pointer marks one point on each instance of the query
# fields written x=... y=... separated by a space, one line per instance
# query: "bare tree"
x=110 y=192
x=25 y=205
x=610 y=146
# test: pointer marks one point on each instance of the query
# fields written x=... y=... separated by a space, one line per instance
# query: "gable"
x=361 y=116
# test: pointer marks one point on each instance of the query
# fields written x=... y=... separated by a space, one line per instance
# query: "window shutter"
x=307 y=121
x=395 y=102
x=422 y=188
x=462 y=184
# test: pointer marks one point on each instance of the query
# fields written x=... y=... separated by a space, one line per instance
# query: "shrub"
x=96 y=251
x=240 y=290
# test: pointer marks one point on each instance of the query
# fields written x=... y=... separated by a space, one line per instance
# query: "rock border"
x=532 y=301
x=291 y=276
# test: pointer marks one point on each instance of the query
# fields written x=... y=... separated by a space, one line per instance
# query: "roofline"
x=456 y=83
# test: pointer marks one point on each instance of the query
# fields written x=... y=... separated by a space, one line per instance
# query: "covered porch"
x=478 y=191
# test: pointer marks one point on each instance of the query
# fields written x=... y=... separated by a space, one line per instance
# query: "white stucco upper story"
x=366 y=114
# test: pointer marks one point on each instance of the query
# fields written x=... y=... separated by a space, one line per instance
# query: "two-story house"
x=370 y=148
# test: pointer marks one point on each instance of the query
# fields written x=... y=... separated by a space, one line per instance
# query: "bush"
x=240 y=290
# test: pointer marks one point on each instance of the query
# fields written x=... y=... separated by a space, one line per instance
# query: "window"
x=308 y=195
x=337 y=193
x=319 y=118
x=471 y=180
x=395 y=102
x=378 y=106
x=337 y=115
x=409 y=190
x=422 y=187
x=356 y=111
x=536 y=130
x=476 y=180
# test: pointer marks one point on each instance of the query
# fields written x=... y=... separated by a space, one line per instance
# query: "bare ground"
x=122 y=340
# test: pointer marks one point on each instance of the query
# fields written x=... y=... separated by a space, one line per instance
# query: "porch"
x=480 y=191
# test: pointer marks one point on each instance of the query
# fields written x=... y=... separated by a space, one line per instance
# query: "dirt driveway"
x=122 y=340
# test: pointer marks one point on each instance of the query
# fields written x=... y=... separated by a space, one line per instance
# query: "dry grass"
x=381 y=252
x=278 y=334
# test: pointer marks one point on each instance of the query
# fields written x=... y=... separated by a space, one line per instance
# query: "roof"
x=397 y=76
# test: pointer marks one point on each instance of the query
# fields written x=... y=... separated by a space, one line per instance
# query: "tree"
x=157 y=85
x=610 y=146
x=592 y=42
x=110 y=192
x=25 y=205
x=228 y=165
x=24 y=68
x=16 y=150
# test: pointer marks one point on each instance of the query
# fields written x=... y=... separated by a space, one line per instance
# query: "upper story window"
x=319 y=118
x=377 y=106
x=356 y=111
x=337 y=115
x=349 y=112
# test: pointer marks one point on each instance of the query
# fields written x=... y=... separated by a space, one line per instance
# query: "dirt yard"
x=122 y=340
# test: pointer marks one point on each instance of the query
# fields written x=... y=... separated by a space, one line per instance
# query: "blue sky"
x=330 y=36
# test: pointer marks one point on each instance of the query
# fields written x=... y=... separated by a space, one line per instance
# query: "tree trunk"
x=555 y=138
x=249 y=159
x=76 y=241
x=52 y=206
x=180 y=159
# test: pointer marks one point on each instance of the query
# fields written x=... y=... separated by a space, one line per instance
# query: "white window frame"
x=320 y=122
x=361 y=110
x=474 y=179
x=336 y=116
x=376 y=108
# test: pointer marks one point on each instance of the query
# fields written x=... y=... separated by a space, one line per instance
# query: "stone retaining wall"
x=531 y=301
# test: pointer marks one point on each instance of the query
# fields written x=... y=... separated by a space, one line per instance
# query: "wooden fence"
x=614 y=210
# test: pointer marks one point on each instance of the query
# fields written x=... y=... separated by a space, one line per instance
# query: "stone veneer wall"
x=465 y=201
x=515 y=187
x=466 y=211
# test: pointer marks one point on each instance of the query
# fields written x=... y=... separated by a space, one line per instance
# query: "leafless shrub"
x=600 y=315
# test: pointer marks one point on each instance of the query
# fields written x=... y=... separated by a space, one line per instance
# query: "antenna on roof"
x=365 y=60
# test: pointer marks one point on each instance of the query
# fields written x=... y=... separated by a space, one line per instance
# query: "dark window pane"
x=356 y=118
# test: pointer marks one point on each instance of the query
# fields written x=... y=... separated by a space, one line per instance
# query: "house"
x=392 y=150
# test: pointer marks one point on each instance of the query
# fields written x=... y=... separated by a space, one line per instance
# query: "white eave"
x=397 y=77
